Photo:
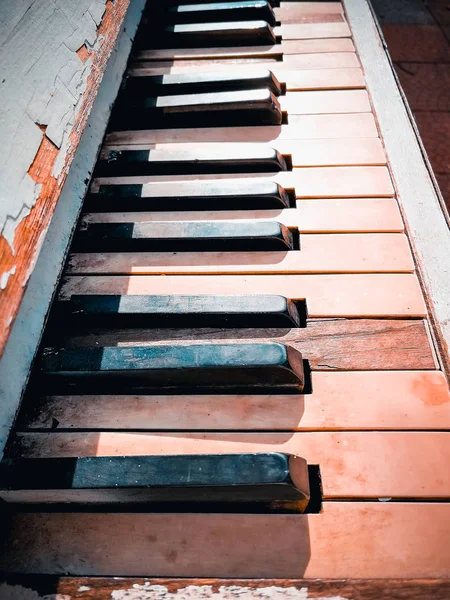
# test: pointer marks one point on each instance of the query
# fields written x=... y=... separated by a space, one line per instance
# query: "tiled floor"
x=417 y=33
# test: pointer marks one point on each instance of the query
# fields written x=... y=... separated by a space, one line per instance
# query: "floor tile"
x=427 y=86
x=402 y=11
x=419 y=43
x=444 y=185
x=440 y=9
x=434 y=130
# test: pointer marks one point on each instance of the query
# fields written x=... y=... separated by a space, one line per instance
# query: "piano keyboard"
x=237 y=377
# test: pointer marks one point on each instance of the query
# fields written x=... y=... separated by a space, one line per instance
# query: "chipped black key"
x=202 y=159
x=219 y=194
x=193 y=366
x=192 y=83
x=178 y=311
x=187 y=236
x=234 y=33
x=269 y=478
x=223 y=11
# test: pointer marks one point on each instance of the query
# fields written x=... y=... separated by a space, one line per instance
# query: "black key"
x=202 y=159
x=260 y=104
x=187 y=236
x=243 y=107
x=235 y=33
x=223 y=11
x=239 y=194
x=175 y=311
x=232 y=479
x=192 y=83
x=177 y=2
x=197 y=366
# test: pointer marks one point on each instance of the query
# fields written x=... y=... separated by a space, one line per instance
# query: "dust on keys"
x=237 y=364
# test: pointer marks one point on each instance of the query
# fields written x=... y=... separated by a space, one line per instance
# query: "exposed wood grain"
x=342 y=400
x=376 y=295
x=311 y=216
x=402 y=543
x=99 y=588
x=360 y=344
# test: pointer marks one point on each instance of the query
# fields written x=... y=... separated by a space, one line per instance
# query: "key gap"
x=295 y=238
x=288 y=161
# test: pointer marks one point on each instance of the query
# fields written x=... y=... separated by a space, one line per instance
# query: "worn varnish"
x=326 y=344
x=101 y=588
x=341 y=400
x=403 y=541
x=377 y=295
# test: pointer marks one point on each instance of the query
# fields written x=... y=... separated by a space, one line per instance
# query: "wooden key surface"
x=402 y=543
x=240 y=333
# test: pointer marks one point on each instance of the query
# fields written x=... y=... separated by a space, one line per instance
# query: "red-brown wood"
x=319 y=253
x=311 y=216
x=328 y=344
x=304 y=153
x=358 y=540
x=353 y=465
x=374 y=295
x=373 y=400
x=99 y=588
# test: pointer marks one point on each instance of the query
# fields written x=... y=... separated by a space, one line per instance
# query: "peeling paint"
x=5 y=276
x=47 y=90
x=44 y=83
x=207 y=592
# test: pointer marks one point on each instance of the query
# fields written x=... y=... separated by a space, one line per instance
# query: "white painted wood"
x=426 y=222
x=27 y=329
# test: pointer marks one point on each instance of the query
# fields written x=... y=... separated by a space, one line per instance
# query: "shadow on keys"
x=156 y=545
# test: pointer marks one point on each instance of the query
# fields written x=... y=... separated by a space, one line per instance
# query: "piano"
x=242 y=387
